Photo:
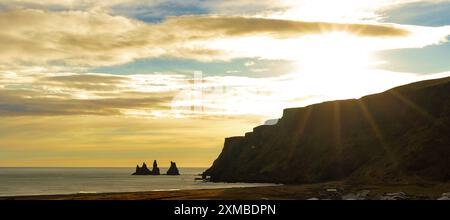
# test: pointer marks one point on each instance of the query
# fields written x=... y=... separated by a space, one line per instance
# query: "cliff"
x=400 y=135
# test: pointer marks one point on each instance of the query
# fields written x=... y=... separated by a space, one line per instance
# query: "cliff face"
x=395 y=136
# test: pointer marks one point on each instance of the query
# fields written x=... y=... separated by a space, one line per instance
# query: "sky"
x=87 y=83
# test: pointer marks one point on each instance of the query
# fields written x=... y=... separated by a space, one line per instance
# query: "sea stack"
x=142 y=170
x=173 y=170
x=155 y=170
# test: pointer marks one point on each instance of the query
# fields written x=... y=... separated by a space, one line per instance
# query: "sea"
x=55 y=181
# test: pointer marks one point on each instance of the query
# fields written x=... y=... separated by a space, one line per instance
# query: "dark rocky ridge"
x=401 y=135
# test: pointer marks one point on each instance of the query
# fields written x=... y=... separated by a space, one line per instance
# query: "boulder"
x=444 y=196
x=394 y=196
x=362 y=195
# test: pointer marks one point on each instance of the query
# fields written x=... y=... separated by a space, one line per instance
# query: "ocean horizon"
x=21 y=181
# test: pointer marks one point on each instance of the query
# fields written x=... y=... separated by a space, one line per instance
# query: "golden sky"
x=118 y=82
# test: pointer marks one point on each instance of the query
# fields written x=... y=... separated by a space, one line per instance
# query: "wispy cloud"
x=180 y=96
x=245 y=26
x=80 y=39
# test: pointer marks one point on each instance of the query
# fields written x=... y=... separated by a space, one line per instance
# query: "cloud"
x=88 y=39
x=249 y=63
x=47 y=94
x=13 y=104
x=154 y=10
x=91 y=78
x=177 y=96
x=244 y=26
x=68 y=38
x=68 y=4
x=150 y=95
x=86 y=81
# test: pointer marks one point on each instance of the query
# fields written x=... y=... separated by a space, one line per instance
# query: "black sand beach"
x=332 y=190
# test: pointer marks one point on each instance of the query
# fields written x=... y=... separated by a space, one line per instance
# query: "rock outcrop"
x=444 y=196
x=145 y=171
x=142 y=170
x=155 y=169
x=401 y=135
x=173 y=170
